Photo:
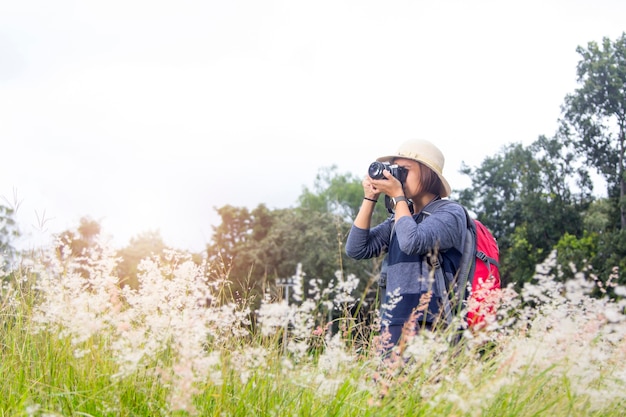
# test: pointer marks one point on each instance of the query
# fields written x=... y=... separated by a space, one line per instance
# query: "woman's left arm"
x=443 y=229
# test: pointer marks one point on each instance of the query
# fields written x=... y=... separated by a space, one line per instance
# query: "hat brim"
x=445 y=190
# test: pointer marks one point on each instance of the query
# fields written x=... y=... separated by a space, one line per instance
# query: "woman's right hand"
x=369 y=190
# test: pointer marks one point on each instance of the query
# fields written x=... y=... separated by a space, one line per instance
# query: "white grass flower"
x=249 y=360
x=273 y=316
x=620 y=290
x=335 y=357
x=345 y=288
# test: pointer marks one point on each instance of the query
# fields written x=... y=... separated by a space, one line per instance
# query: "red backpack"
x=485 y=295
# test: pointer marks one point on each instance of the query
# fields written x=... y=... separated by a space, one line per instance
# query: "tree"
x=80 y=244
x=9 y=232
x=80 y=240
x=337 y=193
x=594 y=116
x=597 y=218
x=255 y=247
x=341 y=196
x=142 y=246
x=528 y=197
x=600 y=252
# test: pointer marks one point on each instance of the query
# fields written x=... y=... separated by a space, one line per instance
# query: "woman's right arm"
x=366 y=242
x=363 y=241
x=363 y=218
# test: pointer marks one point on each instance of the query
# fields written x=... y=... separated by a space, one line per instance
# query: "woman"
x=410 y=235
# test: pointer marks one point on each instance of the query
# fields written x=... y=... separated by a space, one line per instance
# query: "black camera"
x=376 y=169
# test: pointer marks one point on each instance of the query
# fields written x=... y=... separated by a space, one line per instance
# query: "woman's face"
x=412 y=184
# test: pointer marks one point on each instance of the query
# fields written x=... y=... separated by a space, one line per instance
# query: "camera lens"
x=376 y=169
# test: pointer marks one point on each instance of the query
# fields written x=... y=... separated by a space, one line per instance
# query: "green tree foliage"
x=600 y=256
x=338 y=193
x=9 y=232
x=597 y=218
x=260 y=246
x=594 y=116
x=142 y=246
x=341 y=195
x=599 y=250
x=257 y=247
x=575 y=254
x=529 y=197
x=233 y=253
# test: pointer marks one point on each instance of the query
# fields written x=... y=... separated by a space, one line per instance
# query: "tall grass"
x=74 y=343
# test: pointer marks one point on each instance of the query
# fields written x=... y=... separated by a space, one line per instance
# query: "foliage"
x=80 y=240
x=143 y=246
x=9 y=232
x=597 y=217
x=610 y=261
x=594 y=116
x=519 y=259
x=528 y=196
x=79 y=244
x=259 y=246
x=340 y=194
x=600 y=252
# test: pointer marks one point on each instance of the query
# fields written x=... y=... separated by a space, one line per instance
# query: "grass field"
x=74 y=343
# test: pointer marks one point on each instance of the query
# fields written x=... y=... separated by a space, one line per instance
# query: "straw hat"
x=425 y=152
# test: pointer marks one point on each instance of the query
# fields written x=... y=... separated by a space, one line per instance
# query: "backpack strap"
x=488 y=260
x=442 y=287
x=451 y=298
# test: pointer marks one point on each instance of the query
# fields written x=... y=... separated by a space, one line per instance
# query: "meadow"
x=76 y=343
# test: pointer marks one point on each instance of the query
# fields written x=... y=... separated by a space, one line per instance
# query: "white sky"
x=145 y=115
